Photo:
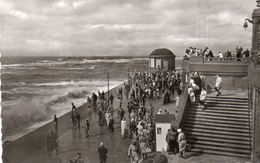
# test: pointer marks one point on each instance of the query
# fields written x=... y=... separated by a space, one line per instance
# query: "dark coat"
x=51 y=141
x=102 y=153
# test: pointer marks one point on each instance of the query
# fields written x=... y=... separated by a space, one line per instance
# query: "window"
x=159 y=130
x=152 y=62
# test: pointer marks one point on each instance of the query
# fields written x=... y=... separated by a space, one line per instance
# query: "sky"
x=121 y=27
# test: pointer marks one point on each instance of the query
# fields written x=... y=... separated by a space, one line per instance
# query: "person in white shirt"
x=203 y=95
x=218 y=84
x=220 y=55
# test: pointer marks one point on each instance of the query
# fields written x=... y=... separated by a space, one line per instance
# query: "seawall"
x=32 y=142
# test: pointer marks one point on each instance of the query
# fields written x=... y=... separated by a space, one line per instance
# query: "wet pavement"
x=75 y=141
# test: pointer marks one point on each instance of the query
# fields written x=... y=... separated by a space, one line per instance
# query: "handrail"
x=249 y=108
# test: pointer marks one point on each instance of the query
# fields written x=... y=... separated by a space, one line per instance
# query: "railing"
x=202 y=59
x=249 y=110
x=185 y=103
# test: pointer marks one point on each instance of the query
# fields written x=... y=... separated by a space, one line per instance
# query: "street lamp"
x=245 y=23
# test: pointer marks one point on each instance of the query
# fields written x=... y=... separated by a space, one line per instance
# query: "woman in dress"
x=123 y=128
x=133 y=152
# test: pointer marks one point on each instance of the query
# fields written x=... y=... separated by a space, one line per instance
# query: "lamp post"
x=255 y=36
x=245 y=23
x=255 y=51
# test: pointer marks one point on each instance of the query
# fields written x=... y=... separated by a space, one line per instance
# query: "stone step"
x=221 y=105
x=214 y=123
x=226 y=103
x=202 y=126
x=221 y=116
x=224 y=100
x=222 y=153
x=226 y=97
x=224 y=149
x=217 y=136
x=223 y=110
x=212 y=131
x=219 y=144
x=221 y=140
x=217 y=121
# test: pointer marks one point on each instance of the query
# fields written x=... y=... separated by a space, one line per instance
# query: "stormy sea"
x=33 y=89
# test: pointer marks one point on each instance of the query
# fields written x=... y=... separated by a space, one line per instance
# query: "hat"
x=179 y=130
x=160 y=158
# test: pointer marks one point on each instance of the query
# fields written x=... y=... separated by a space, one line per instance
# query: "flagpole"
x=197 y=29
x=207 y=30
x=108 y=89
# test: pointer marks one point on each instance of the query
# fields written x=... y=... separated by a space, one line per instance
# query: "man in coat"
x=52 y=142
x=102 y=150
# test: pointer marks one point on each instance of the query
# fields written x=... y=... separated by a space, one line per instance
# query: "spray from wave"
x=22 y=113
x=36 y=110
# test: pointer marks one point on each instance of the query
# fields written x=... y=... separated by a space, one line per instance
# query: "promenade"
x=75 y=141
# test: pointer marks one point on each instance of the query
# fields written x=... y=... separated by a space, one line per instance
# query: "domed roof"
x=162 y=52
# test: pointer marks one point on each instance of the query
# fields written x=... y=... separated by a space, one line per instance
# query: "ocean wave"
x=37 y=110
x=81 y=68
x=22 y=113
x=113 y=60
x=45 y=63
x=79 y=83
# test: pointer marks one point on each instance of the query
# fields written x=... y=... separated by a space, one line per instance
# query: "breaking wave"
x=75 y=61
x=22 y=113
x=36 y=110
x=79 y=83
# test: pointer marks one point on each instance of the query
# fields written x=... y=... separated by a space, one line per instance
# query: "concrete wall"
x=254 y=76
x=161 y=144
x=234 y=74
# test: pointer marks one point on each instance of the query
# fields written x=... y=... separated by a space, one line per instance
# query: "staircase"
x=222 y=128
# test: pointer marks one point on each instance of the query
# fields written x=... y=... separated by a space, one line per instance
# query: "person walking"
x=74 y=109
x=203 y=95
x=73 y=120
x=111 y=124
x=191 y=94
x=133 y=152
x=182 y=143
x=178 y=99
x=87 y=128
x=123 y=128
x=111 y=99
x=218 y=85
x=55 y=123
x=78 y=159
x=52 y=142
x=108 y=118
x=171 y=139
x=78 y=120
x=102 y=150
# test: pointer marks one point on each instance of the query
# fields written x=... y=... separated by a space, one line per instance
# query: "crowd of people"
x=238 y=53
x=138 y=124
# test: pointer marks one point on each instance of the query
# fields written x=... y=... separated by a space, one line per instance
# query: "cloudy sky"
x=120 y=27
